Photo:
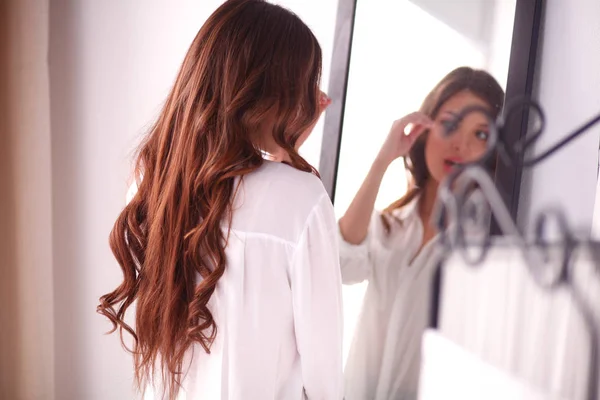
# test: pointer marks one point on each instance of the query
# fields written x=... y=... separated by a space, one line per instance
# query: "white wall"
x=111 y=64
x=568 y=87
x=470 y=18
x=500 y=27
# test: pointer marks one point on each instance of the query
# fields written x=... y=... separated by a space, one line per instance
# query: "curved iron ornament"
x=469 y=192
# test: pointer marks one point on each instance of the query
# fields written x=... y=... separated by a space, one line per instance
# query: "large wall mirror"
x=388 y=55
x=398 y=56
x=396 y=51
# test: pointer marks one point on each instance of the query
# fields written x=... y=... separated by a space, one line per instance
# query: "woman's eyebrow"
x=452 y=113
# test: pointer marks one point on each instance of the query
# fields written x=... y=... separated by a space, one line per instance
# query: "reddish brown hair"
x=250 y=60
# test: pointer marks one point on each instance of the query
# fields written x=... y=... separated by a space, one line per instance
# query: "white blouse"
x=384 y=358
x=278 y=306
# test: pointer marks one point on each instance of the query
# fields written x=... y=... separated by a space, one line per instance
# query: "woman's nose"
x=458 y=142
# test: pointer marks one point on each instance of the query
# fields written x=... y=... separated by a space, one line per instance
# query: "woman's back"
x=231 y=260
x=277 y=305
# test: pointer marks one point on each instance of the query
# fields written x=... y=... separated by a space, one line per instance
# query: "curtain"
x=497 y=311
x=26 y=297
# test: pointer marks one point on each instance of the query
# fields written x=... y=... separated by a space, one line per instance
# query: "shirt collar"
x=408 y=211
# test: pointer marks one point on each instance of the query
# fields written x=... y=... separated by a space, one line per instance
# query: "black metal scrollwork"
x=468 y=198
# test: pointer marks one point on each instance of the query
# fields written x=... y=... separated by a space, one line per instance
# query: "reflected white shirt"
x=278 y=306
x=384 y=358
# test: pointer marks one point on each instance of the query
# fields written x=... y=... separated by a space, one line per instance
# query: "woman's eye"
x=482 y=135
x=449 y=125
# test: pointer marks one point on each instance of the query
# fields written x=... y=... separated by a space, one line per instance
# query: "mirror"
x=399 y=52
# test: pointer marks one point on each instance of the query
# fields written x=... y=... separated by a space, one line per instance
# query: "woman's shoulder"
x=293 y=179
x=286 y=183
x=279 y=199
x=389 y=223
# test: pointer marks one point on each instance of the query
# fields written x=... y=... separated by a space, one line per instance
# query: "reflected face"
x=468 y=141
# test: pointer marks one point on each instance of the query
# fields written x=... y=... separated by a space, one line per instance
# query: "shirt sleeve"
x=355 y=260
x=317 y=302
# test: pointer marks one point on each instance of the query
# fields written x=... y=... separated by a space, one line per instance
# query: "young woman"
x=229 y=256
x=391 y=249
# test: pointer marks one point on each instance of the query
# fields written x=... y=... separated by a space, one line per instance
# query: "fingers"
x=417 y=118
x=417 y=123
x=416 y=131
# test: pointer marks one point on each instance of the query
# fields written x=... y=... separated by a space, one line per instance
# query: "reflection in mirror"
x=415 y=65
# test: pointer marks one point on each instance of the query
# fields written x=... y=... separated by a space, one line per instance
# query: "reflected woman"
x=231 y=259
x=391 y=249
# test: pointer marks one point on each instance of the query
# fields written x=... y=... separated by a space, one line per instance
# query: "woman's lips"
x=450 y=163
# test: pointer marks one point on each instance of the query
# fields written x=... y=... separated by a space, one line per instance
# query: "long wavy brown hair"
x=478 y=82
x=250 y=62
